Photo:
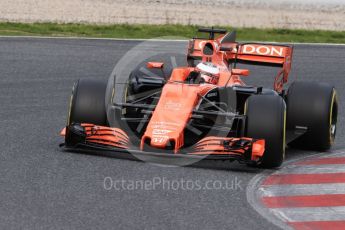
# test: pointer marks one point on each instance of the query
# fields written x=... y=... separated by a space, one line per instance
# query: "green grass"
x=156 y=31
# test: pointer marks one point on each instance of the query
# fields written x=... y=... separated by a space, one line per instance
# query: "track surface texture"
x=43 y=187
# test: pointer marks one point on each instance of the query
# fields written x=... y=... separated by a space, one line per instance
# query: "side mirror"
x=155 y=65
x=241 y=72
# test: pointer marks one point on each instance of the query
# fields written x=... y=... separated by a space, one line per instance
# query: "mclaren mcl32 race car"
x=205 y=110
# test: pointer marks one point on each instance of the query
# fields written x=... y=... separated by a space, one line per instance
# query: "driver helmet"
x=208 y=72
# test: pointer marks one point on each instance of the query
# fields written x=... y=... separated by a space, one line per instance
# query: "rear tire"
x=315 y=106
x=87 y=103
x=266 y=119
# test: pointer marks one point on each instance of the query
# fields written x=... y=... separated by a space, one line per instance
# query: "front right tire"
x=315 y=106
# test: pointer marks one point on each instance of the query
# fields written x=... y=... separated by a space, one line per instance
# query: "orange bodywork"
x=215 y=146
x=178 y=100
x=117 y=138
x=276 y=55
x=269 y=54
x=103 y=135
x=176 y=104
x=152 y=65
x=173 y=112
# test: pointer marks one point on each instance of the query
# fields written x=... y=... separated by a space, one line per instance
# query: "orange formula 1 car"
x=205 y=110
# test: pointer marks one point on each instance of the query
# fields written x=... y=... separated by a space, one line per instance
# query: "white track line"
x=310 y=214
x=302 y=189
x=254 y=196
x=334 y=155
x=93 y=38
x=312 y=169
x=162 y=40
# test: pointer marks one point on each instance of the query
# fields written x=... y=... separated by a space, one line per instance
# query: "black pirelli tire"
x=87 y=103
x=315 y=106
x=266 y=119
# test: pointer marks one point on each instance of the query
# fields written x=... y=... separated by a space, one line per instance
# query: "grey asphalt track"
x=42 y=187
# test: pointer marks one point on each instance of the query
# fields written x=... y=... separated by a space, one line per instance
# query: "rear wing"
x=226 y=49
x=269 y=55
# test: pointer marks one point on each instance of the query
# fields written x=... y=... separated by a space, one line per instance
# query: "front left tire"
x=266 y=119
x=87 y=103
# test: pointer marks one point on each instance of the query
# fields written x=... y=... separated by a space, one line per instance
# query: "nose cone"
x=171 y=116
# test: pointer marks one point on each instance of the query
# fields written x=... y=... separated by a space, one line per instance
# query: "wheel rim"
x=333 y=130
x=70 y=105
x=333 y=117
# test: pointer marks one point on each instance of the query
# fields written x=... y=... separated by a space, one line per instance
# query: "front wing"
x=107 y=139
